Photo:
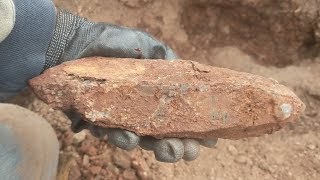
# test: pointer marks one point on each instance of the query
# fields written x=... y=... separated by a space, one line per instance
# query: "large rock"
x=168 y=98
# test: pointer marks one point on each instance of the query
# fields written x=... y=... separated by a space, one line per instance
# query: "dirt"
x=278 y=39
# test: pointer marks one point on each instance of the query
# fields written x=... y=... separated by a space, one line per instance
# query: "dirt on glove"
x=162 y=98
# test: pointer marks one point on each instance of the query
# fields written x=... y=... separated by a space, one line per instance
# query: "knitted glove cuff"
x=66 y=27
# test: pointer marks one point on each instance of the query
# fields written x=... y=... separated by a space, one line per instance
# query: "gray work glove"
x=75 y=37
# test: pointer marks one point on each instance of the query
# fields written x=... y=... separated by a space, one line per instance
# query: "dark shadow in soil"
x=270 y=31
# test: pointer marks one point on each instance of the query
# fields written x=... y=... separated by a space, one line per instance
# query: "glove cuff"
x=66 y=26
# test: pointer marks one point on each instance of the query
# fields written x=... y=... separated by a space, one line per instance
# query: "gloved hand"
x=75 y=37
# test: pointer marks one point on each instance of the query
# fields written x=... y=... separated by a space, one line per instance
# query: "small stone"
x=122 y=159
x=112 y=168
x=67 y=138
x=74 y=173
x=141 y=168
x=312 y=146
x=85 y=160
x=79 y=137
x=241 y=159
x=92 y=151
x=249 y=162
x=129 y=174
x=85 y=145
x=95 y=169
x=232 y=150
x=264 y=166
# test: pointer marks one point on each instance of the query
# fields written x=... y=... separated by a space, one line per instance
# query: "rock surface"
x=169 y=98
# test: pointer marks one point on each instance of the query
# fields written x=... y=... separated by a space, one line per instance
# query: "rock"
x=95 y=169
x=312 y=146
x=85 y=145
x=141 y=168
x=232 y=150
x=121 y=159
x=92 y=151
x=161 y=98
x=85 y=160
x=67 y=138
x=129 y=174
x=79 y=137
x=241 y=159
x=74 y=173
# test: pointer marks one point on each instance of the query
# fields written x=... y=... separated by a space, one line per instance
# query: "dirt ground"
x=277 y=39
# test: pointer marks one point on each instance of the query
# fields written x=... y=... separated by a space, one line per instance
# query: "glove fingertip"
x=191 y=149
x=169 y=150
x=170 y=55
x=123 y=139
x=209 y=143
x=97 y=131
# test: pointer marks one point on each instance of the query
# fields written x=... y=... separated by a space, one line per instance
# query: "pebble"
x=312 y=146
x=241 y=159
x=141 y=168
x=85 y=160
x=67 y=138
x=95 y=169
x=79 y=137
x=92 y=151
x=85 y=145
x=129 y=174
x=232 y=150
x=122 y=160
x=74 y=173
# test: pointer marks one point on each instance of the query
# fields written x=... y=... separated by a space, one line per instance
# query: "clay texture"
x=169 y=98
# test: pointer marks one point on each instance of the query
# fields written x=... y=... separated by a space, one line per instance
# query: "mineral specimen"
x=162 y=98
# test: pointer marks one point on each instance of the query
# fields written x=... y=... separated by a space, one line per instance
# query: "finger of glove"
x=209 y=143
x=97 y=131
x=123 y=139
x=170 y=55
x=116 y=41
x=168 y=150
x=118 y=137
x=191 y=149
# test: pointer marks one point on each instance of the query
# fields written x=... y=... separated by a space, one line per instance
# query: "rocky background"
x=274 y=38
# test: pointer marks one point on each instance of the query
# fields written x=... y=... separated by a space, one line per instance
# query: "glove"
x=75 y=37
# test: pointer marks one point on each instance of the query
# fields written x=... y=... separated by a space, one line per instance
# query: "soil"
x=276 y=39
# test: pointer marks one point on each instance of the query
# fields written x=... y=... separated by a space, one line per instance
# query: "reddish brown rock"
x=169 y=98
x=95 y=169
